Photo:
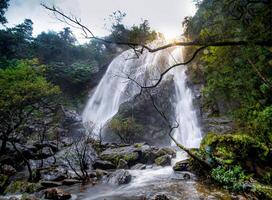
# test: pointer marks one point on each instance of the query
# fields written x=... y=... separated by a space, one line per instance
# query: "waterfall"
x=115 y=88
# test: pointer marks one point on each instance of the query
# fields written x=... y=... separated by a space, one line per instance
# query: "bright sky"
x=164 y=15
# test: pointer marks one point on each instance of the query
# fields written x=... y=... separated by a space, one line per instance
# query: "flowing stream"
x=115 y=89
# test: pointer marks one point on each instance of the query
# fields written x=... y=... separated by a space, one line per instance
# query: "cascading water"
x=115 y=88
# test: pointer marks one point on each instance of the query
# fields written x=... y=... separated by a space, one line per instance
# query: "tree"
x=3 y=7
x=24 y=93
x=15 y=42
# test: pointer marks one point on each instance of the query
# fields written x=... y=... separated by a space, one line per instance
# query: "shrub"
x=232 y=178
x=125 y=128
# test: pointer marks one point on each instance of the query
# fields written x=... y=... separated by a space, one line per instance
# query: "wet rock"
x=166 y=151
x=103 y=164
x=8 y=170
x=119 y=177
x=181 y=165
x=100 y=173
x=57 y=194
x=28 y=197
x=129 y=153
x=163 y=160
x=57 y=174
x=50 y=184
x=148 y=154
x=160 y=197
x=122 y=164
x=138 y=166
x=70 y=181
x=186 y=176
x=182 y=175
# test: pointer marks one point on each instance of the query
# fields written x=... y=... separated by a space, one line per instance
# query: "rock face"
x=154 y=129
x=211 y=117
x=72 y=121
x=119 y=177
x=57 y=194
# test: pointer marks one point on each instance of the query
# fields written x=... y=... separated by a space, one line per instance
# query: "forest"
x=136 y=115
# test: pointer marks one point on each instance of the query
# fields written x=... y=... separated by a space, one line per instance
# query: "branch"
x=88 y=34
x=261 y=76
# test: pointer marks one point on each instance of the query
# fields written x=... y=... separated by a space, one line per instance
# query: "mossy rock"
x=262 y=191
x=165 y=151
x=230 y=149
x=129 y=154
x=22 y=187
x=163 y=160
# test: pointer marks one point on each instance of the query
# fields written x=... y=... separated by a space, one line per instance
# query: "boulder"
x=57 y=194
x=166 y=151
x=119 y=177
x=163 y=160
x=148 y=154
x=122 y=164
x=138 y=166
x=181 y=165
x=50 y=184
x=57 y=174
x=103 y=164
x=160 y=197
x=129 y=153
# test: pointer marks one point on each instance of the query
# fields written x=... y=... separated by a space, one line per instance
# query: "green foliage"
x=141 y=33
x=15 y=42
x=76 y=74
x=25 y=97
x=126 y=128
x=263 y=124
x=232 y=178
x=231 y=149
x=23 y=85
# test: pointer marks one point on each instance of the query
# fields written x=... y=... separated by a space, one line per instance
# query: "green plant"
x=125 y=128
x=232 y=178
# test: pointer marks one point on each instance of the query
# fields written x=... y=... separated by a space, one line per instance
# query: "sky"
x=164 y=16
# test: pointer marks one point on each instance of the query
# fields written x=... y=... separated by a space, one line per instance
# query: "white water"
x=115 y=88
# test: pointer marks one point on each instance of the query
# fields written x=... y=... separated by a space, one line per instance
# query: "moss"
x=262 y=191
x=131 y=157
x=165 y=151
x=231 y=149
x=138 y=145
x=21 y=187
